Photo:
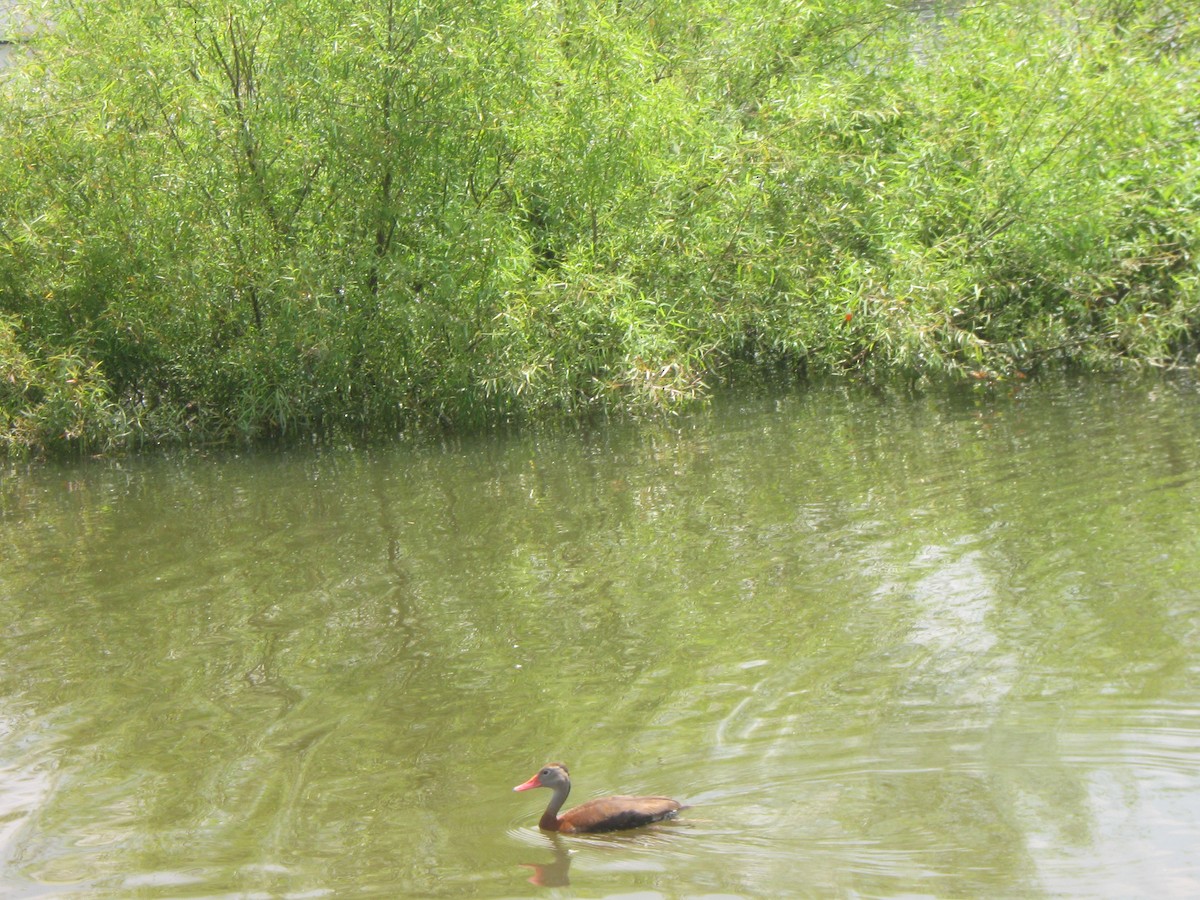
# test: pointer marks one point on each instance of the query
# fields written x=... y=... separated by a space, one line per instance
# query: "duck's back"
x=617 y=813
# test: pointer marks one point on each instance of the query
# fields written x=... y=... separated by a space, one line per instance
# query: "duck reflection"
x=557 y=872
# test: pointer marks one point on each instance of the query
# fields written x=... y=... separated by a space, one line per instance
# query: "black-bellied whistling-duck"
x=604 y=814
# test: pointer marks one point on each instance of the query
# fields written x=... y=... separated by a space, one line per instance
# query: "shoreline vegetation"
x=275 y=219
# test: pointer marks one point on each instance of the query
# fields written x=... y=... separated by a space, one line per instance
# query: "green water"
x=947 y=646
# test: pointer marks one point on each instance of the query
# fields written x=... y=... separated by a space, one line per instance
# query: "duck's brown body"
x=604 y=814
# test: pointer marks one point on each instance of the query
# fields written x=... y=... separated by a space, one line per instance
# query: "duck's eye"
x=544 y=772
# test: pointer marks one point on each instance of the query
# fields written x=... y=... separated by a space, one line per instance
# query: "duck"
x=603 y=814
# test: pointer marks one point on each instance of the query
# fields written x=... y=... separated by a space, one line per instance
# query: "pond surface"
x=945 y=646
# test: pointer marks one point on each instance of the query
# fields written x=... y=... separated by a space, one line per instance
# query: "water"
x=884 y=646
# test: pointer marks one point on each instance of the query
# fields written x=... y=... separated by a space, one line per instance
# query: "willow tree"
x=271 y=217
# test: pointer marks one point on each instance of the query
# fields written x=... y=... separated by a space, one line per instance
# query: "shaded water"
x=883 y=646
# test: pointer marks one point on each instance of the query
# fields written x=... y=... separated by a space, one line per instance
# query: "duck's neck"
x=549 y=820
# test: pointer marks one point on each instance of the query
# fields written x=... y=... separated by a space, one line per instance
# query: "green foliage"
x=58 y=401
x=264 y=218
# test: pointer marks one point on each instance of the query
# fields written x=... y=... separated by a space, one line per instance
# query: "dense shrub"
x=263 y=218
